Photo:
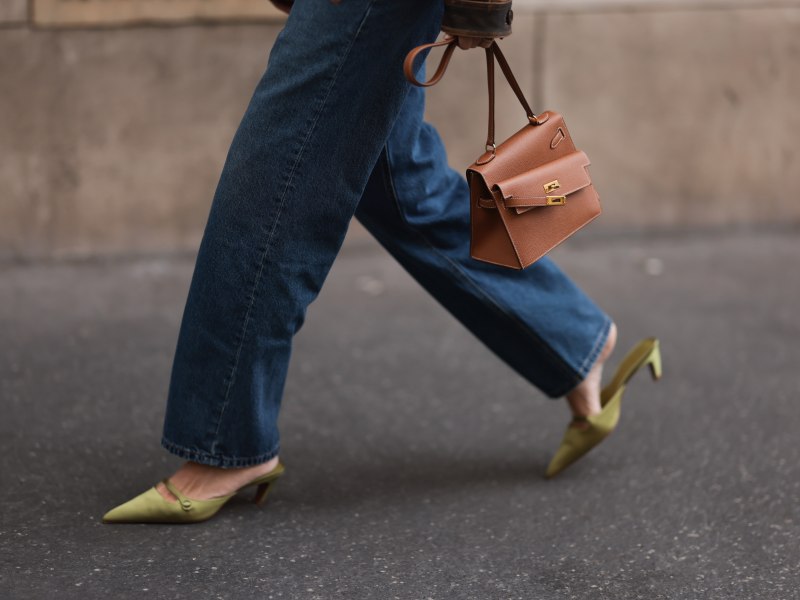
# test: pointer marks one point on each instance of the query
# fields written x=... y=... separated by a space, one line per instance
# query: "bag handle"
x=408 y=63
x=492 y=53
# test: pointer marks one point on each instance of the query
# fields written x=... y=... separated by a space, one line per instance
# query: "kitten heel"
x=261 y=493
x=654 y=362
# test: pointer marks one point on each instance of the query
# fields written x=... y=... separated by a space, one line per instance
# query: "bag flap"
x=547 y=185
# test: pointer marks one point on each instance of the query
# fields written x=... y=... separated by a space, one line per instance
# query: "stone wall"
x=94 y=13
x=113 y=131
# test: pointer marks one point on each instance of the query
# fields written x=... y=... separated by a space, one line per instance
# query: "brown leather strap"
x=493 y=52
x=501 y=60
x=408 y=63
x=490 y=147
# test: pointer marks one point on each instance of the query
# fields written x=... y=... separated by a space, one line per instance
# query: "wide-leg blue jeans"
x=334 y=130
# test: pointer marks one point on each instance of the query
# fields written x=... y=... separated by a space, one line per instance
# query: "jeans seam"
x=279 y=209
x=389 y=182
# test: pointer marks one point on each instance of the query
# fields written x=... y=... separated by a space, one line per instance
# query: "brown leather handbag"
x=529 y=193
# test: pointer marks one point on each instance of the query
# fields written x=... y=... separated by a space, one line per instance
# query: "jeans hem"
x=217 y=460
x=588 y=363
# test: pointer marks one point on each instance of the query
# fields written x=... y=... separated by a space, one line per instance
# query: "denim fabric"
x=333 y=129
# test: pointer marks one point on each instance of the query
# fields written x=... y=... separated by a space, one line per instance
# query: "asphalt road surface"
x=414 y=457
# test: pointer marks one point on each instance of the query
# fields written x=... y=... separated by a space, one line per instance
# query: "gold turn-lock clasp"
x=552 y=186
x=556 y=200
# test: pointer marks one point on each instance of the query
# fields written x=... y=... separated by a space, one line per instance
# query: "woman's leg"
x=294 y=176
x=536 y=320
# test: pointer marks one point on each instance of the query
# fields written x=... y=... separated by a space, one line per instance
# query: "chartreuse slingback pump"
x=584 y=433
x=152 y=507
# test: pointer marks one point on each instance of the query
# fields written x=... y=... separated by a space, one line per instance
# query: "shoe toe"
x=147 y=507
x=576 y=443
x=566 y=454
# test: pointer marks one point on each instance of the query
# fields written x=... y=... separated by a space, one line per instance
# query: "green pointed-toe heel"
x=584 y=433
x=152 y=507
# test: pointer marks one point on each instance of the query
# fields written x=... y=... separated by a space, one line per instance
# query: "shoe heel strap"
x=186 y=503
x=271 y=476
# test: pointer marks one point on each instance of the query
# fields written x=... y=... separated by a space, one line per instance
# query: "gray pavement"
x=414 y=457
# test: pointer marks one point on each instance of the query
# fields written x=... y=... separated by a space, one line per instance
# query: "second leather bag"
x=529 y=193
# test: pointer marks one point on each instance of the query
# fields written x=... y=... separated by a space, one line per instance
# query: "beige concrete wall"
x=111 y=140
x=96 y=13
x=691 y=116
x=13 y=11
